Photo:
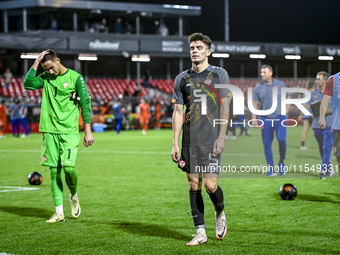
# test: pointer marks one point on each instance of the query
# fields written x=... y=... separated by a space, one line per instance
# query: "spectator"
x=3 y=117
x=163 y=30
x=118 y=25
x=54 y=25
x=129 y=28
x=102 y=27
x=127 y=92
x=135 y=100
x=147 y=79
x=23 y=117
x=95 y=105
x=126 y=118
x=8 y=77
x=15 y=117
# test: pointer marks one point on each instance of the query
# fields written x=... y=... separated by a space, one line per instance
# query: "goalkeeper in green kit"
x=64 y=91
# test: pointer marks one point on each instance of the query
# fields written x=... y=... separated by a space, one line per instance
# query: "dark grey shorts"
x=199 y=159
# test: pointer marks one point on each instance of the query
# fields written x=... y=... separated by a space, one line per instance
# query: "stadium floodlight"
x=140 y=58
x=325 y=57
x=220 y=55
x=257 y=56
x=293 y=57
x=29 y=55
x=87 y=57
x=176 y=6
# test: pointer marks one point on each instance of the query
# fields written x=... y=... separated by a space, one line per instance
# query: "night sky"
x=282 y=21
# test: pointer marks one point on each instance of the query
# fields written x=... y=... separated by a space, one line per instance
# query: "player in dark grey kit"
x=202 y=141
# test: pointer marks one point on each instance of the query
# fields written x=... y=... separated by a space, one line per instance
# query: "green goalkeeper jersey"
x=59 y=114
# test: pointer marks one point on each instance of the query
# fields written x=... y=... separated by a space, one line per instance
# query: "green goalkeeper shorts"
x=59 y=149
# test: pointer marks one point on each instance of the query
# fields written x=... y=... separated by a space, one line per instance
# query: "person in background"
x=102 y=27
x=126 y=118
x=23 y=117
x=158 y=115
x=263 y=99
x=332 y=91
x=144 y=115
x=118 y=113
x=163 y=30
x=126 y=92
x=3 y=117
x=307 y=120
x=15 y=117
x=118 y=25
x=147 y=79
x=8 y=76
x=95 y=105
x=324 y=135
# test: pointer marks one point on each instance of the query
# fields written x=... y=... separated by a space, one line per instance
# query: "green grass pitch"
x=135 y=200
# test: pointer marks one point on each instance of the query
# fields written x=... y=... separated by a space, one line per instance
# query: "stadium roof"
x=158 y=9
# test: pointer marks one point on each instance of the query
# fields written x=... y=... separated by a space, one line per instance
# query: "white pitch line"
x=146 y=152
x=133 y=152
x=13 y=188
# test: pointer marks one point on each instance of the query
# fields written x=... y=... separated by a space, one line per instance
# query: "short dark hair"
x=267 y=66
x=200 y=37
x=310 y=84
x=51 y=55
x=324 y=74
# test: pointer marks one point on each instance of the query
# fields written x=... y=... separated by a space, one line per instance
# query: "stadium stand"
x=109 y=89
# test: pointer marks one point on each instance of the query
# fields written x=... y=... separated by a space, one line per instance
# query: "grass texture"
x=135 y=200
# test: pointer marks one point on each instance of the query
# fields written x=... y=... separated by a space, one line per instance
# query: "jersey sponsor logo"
x=44 y=158
x=65 y=85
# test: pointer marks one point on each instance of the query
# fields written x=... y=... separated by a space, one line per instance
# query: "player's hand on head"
x=88 y=139
x=41 y=55
x=175 y=154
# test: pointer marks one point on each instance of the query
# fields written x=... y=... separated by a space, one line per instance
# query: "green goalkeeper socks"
x=71 y=179
x=56 y=186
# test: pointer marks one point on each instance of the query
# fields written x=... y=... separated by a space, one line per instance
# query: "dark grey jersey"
x=202 y=100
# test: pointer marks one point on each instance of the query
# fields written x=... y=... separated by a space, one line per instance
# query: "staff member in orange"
x=144 y=115
x=158 y=115
x=3 y=118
